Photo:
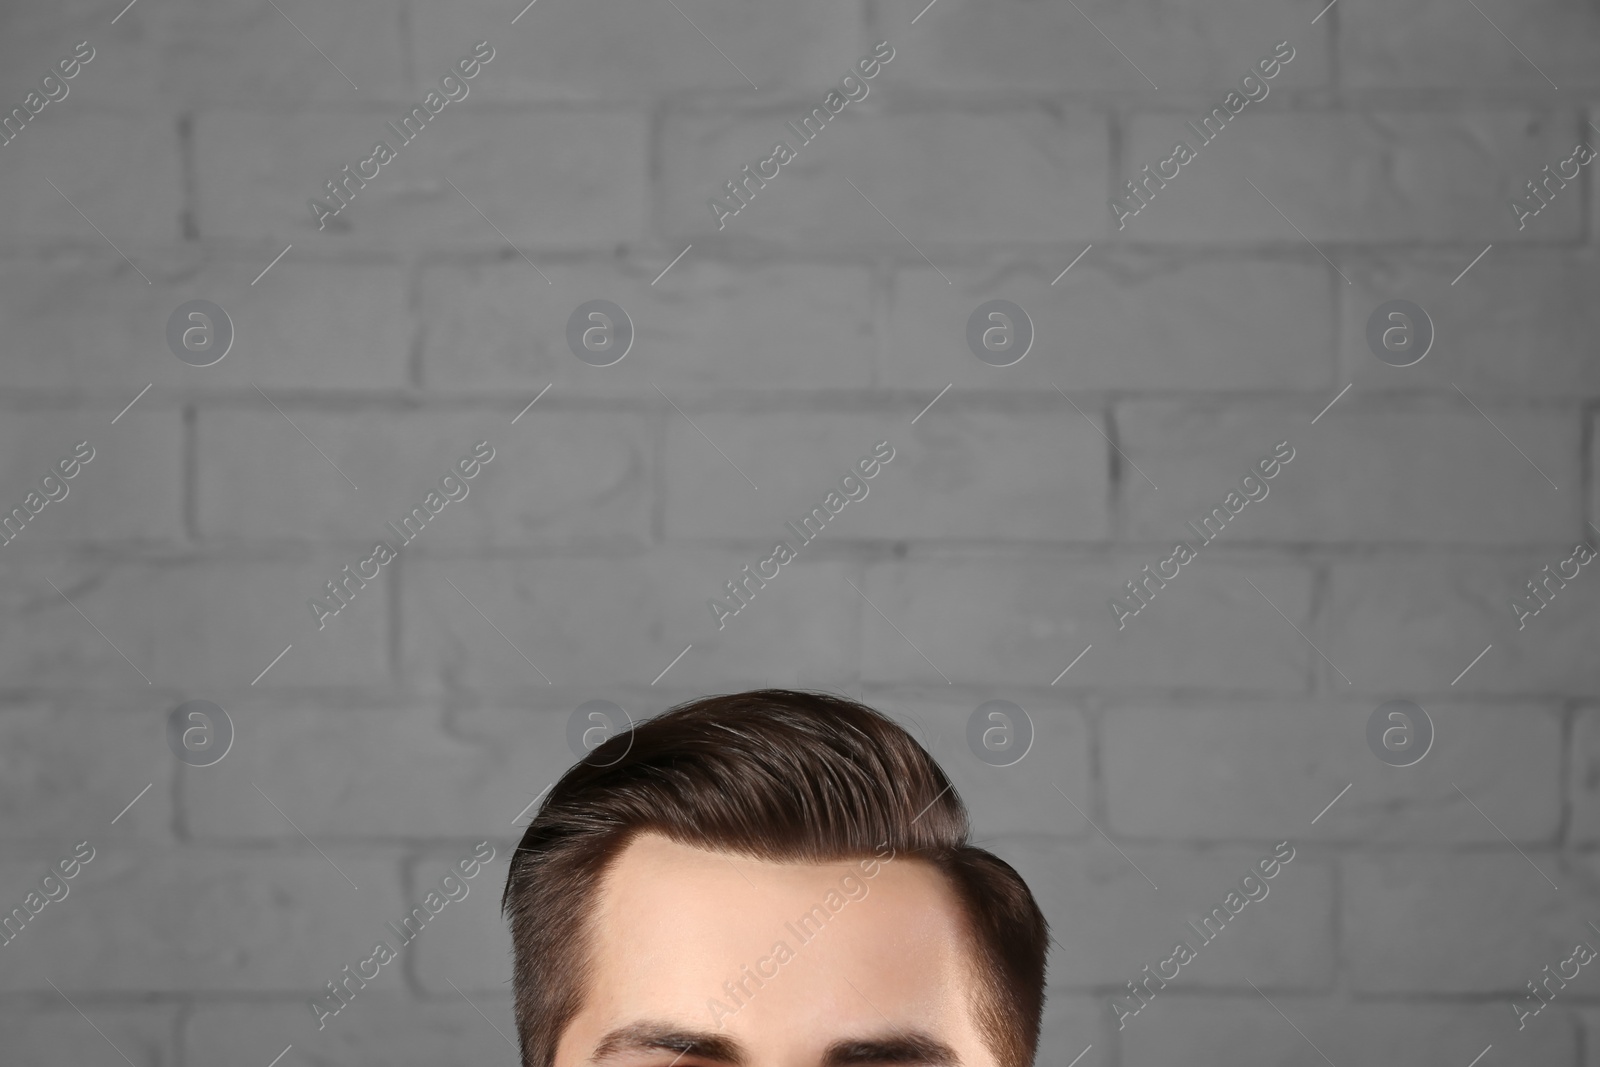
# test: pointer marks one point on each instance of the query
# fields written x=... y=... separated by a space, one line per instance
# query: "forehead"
x=796 y=955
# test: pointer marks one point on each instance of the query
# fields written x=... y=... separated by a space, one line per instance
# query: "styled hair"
x=776 y=775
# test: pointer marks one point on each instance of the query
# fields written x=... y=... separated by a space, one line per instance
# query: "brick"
x=1483 y=923
x=1107 y=922
x=1530 y=305
x=129 y=491
x=1225 y=771
x=1021 y=46
x=473 y=943
x=1211 y=1029
x=257 y=172
x=142 y=920
x=1378 y=177
x=136 y=204
x=563 y=613
x=67 y=765
x=1470 y=54
x=125 y=72
x=379 y=1028
x=706 y=325
x=1369 y=470
x=1015 y=799
x=1070 y=1022
x=1412 y=625
x=637 y=49
x=1115 y=322
x=1585 y=778
x=993 y=621
x=960 y=473
x=557 y=477
x=208 y=624
x=934 y=174
x=54 y=1035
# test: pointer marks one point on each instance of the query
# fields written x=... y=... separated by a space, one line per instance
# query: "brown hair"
x=776 y=775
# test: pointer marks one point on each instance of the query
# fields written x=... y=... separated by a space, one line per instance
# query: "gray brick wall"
x=1221 y=320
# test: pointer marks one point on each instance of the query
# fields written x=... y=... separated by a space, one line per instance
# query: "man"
x=769 y=879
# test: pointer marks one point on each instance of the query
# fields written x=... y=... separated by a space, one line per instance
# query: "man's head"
x=769 y=878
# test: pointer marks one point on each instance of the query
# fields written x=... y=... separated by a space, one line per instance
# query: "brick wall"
x=1221 y=320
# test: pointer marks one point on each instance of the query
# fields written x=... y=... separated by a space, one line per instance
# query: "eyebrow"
x=902 y=1048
